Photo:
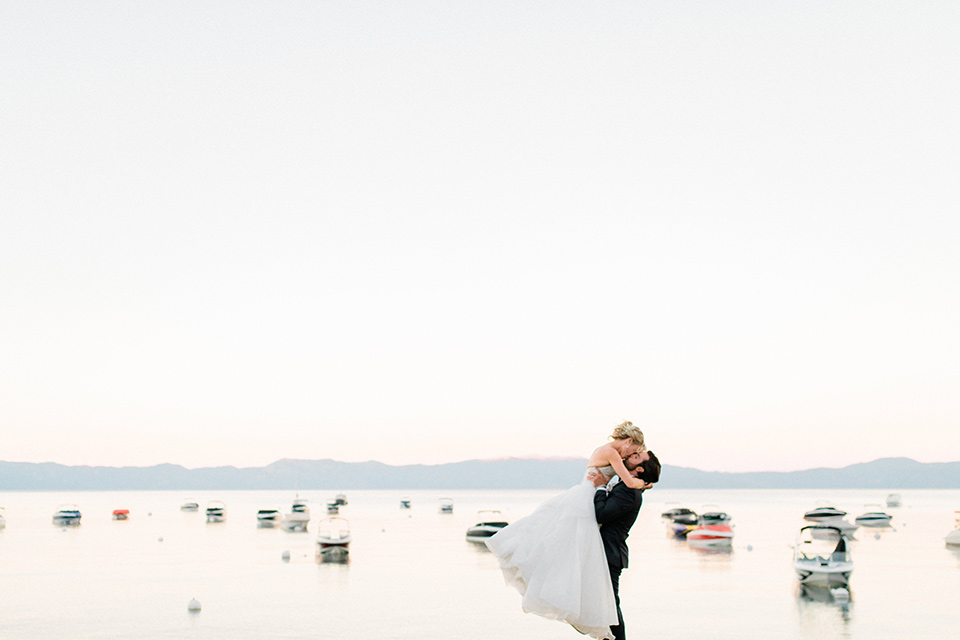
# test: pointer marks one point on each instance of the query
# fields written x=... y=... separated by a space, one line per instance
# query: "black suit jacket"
x=616 y=513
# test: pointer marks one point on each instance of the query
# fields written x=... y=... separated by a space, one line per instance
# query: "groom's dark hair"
x=650 y=469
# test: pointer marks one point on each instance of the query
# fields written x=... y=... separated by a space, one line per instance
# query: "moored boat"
x=405 y=503
x=445 y=505
x=824 y=514
x=848 y=528
x=190 y=505
x=268 y=518
x=953 y=538
x=894 y=500
x=671 y=513
x=3 y=518
x=821 y=556
x=121 y=514
x=216 y=511
x=333 y=540
x=711 y=535
x=873 y=519
x=713 y=529
x=295 y=521
x=67 y=515
x=299 y=516
x=681 y=521
x=715 y=517
x=489 y=522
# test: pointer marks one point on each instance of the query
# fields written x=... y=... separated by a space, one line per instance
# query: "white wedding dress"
x=554 y=557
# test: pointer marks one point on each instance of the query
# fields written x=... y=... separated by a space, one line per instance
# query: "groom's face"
x=636 y=459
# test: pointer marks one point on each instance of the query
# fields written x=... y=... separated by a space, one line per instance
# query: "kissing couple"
x=566 y=557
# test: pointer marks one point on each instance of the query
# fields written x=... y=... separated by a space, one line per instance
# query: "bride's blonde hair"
x=626 y=429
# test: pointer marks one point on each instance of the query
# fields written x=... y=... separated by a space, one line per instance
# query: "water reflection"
x=712 y=550
x=478 y=546
x=824 y=611
x=333 y=555
x=955 y=550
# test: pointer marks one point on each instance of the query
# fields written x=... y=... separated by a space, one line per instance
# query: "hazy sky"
x=411 y=231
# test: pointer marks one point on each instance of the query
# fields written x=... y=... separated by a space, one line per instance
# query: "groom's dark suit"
x=616 y=513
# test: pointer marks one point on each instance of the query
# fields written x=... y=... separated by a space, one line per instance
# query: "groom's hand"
x=597 y=479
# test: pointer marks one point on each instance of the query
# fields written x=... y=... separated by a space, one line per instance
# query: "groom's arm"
x=613 y=505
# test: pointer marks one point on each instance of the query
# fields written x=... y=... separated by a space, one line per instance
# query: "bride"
x=554 y=557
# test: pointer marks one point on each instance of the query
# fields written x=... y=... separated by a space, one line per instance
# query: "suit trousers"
x=618 y=631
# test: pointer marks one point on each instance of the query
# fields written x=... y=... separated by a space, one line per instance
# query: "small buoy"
x=383 y=530
x=876 y=536
x=149 y=514
x=194 y=605
x=286 y=556
x=749 y=547
x=160 y=539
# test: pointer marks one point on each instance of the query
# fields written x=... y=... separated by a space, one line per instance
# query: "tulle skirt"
x=554 y=557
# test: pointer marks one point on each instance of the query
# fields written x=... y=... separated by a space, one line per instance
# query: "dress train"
x=554 y=557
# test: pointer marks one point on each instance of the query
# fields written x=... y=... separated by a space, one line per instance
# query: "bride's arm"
x=618 y=466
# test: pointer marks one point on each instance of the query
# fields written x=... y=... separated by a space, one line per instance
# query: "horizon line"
x=495 y=459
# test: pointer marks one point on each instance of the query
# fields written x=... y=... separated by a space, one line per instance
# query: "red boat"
x=714 y=535
x=121 y=514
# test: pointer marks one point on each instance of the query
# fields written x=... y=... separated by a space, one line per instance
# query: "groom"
x=617 y=506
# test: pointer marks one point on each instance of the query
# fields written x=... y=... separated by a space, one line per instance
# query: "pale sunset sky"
x=430 y=231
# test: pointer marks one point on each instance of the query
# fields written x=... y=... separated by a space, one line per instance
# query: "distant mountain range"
x=511 y=473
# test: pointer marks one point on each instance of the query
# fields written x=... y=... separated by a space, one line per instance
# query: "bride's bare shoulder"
x=600 y=454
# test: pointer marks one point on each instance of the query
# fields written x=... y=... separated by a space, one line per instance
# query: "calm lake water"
x=413 y=575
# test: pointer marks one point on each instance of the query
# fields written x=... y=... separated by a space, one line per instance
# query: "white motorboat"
x=333 y=540
x=267 y=518
x=953 y=538
x=341 y=500
x=824 y=514
x=489 y=522
x=333 y=508
x=67 y=515
x=715 y=517
x=848 y=528
x=295 y=521
x=216 y=511
x=299 y=516
x=3 y=518
x=300 y=505
x=673 y=512
x=821 y=556
x=405 y=503
x=894 y=500
x=873 y=519
x=446 y=505
x=190 y=505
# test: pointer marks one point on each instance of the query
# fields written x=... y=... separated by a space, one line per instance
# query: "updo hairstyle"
x=625 y=430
